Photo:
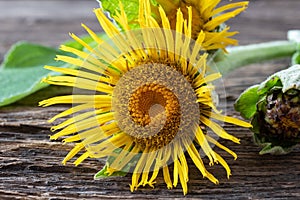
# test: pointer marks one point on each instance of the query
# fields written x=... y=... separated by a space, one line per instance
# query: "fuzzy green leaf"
x=290 y=78
x=246 y=103
x=22 y=70
x=287 y=79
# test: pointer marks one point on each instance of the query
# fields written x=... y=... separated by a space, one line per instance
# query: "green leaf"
x=276 y=150
x=246 y=103
x=270 y=148
x=131 y=8
x=22 y=70
x=267 y=85
x=104 y=174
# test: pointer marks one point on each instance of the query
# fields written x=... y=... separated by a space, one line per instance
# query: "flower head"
x=207 y=17
x=149 y=101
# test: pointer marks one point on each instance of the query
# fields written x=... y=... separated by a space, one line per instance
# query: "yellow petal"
x=213 y=141
x=227 y=119
x=73 y=152
x=81 y=158
x=92 y=34
x=218 y=130
x=167 y=178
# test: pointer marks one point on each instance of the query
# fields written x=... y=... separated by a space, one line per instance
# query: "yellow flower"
x=148 y=97
x=206 y=17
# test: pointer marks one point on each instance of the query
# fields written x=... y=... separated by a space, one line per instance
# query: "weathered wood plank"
x=30 y=164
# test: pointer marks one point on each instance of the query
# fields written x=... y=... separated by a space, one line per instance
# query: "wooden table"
x=30 y=164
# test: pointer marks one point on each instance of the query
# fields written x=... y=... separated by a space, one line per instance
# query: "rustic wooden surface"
x=30 y=164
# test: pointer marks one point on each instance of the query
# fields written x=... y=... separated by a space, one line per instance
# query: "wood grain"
x=30 y=164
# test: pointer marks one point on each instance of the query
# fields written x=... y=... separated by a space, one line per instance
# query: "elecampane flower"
x=150 y=100
x=207 y=17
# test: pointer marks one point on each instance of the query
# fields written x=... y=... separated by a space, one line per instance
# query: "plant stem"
x=254 y=53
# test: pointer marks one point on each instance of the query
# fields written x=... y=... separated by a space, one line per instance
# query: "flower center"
x=150 y=105
x=155 y=104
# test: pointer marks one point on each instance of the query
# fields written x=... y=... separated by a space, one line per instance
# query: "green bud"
x=274 y=110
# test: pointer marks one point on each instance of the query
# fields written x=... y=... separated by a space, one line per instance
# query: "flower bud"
x=274 y=110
